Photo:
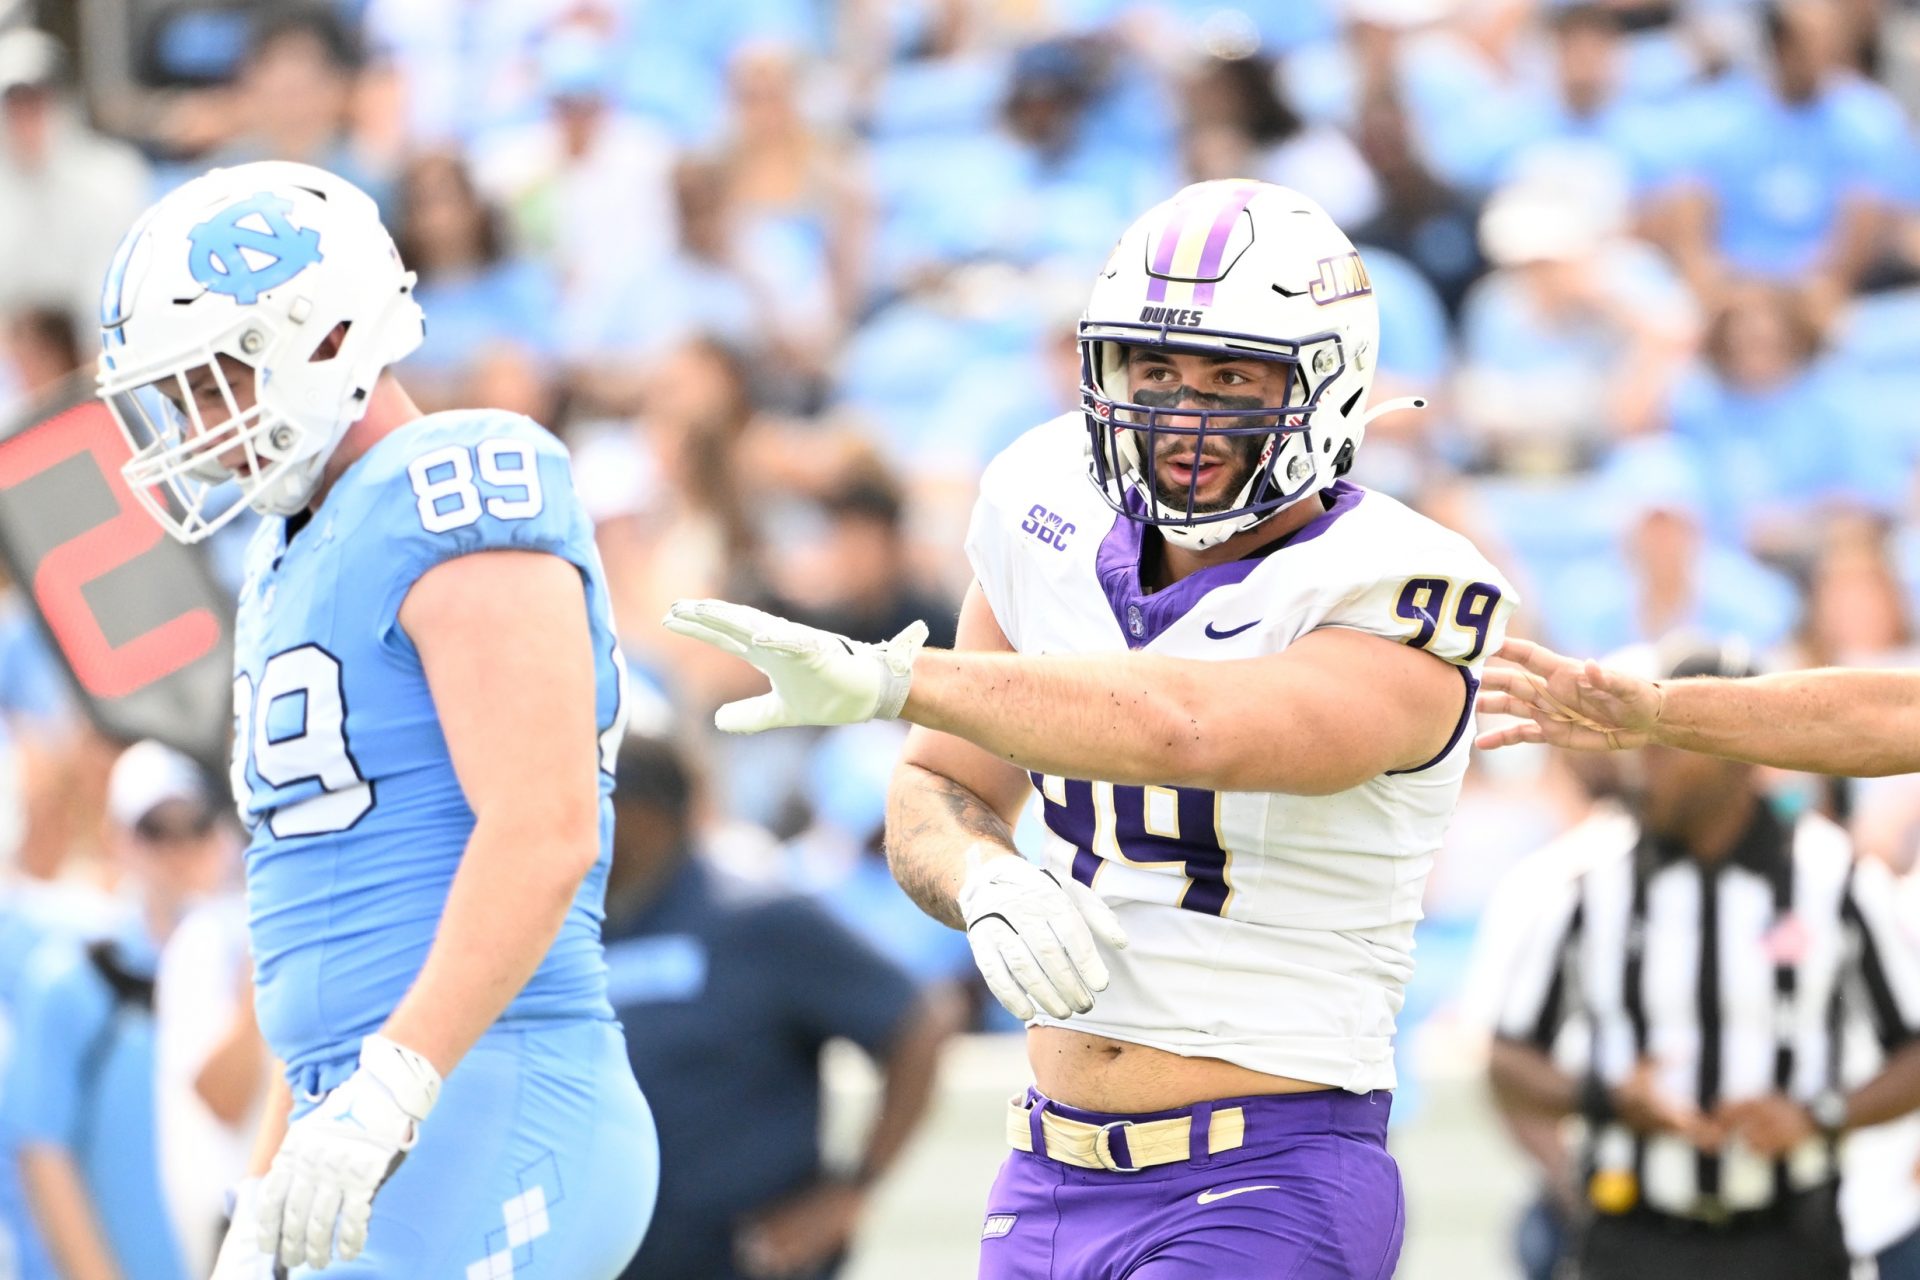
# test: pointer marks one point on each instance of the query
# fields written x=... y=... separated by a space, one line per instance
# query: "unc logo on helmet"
x=229 y=267
x=223 y=251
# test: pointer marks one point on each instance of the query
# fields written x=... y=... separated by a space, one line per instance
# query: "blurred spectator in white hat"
x=79 y=1095
x=1573 y=339
x=585 y=185
x=1676 y=576
x=66 y=192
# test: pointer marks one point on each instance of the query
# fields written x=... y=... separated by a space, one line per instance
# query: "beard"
x=1234 y=459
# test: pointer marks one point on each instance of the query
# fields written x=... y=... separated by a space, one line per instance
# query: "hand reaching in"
x=1566 y=702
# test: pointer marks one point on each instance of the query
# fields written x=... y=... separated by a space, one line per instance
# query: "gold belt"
x=1144 y=1143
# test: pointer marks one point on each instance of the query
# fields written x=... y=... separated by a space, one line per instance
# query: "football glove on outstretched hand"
x=1032 y=938
x=315 y=1201
x=818 y=677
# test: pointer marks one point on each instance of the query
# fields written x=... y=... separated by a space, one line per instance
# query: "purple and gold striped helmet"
x=1248 y=269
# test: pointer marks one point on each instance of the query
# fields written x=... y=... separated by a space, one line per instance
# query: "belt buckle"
x=1103 y=1147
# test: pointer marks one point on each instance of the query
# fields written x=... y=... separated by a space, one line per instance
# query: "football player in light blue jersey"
x=427 y=702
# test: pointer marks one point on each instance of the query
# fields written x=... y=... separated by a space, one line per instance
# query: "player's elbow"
x=576 y=848
x=566 y=834
x=1220 y=741
x=1235 y=764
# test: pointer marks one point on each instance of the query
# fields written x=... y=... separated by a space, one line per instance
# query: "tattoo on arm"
x=930 y=823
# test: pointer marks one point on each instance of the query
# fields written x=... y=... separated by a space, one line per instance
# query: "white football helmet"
x=259 y=263
x=1243 y=268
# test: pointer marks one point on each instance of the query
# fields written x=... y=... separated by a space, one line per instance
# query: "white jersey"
x=1273 y=931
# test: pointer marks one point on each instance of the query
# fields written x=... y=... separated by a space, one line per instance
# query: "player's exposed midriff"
x=1100 y=1074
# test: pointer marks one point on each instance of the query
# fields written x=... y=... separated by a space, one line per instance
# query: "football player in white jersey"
x=1241 y=685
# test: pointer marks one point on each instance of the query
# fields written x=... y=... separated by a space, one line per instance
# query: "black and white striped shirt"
x=1775 y=968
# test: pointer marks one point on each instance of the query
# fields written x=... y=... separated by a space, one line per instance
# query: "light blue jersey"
x=540 y=1161
x=340 y=768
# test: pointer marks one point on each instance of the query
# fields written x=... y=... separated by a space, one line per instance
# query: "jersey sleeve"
x=1420 y=584
x=990 y=549
x=1454 y=606
x=480 y=483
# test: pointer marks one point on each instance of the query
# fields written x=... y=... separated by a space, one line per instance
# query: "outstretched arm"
x=1334 y=709
x=1857 y=723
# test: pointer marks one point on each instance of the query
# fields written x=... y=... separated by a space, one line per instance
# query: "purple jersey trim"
x=1459 y=727
x=1144 y=617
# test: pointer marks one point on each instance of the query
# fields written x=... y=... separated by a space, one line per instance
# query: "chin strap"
x=1391 y=406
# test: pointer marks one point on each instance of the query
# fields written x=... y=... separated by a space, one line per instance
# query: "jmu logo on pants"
x=998 y=1224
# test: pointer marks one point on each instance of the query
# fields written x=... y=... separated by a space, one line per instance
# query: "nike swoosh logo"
x=1231 y=631
x=1208 y=1197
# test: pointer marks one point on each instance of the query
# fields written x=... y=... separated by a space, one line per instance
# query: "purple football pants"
x=1312 y=1195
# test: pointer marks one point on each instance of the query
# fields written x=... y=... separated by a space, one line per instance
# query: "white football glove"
x=818 y=677
x=240 y=1255
x=1032 y=937
x=315 y=1201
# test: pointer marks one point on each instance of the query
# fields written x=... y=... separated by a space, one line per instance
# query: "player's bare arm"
x=932 y=820
x=1333 y=710
x=518 y=713
x=949 y=796
x=1853 y=723
x=950 y=816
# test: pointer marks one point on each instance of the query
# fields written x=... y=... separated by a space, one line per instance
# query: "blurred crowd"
x=785 y=274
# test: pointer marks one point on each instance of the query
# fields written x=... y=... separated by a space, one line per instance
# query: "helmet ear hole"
x=329 y=346
x=1343 y=461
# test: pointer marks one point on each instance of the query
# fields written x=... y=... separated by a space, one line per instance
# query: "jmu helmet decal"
x=1232 y=269
x=242 y=262
x=1341 y=277
x=1189 y=250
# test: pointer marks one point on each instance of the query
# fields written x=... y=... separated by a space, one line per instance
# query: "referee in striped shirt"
x=1743 y=998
